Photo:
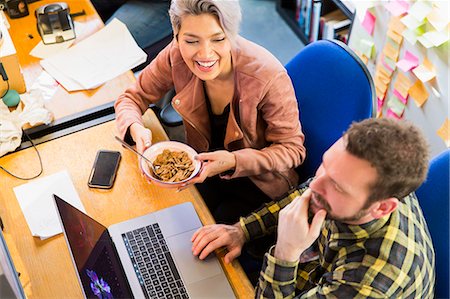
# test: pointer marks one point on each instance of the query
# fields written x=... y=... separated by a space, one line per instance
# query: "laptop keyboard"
x=153 y=263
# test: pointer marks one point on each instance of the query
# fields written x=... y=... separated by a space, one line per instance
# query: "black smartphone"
x=103 y=173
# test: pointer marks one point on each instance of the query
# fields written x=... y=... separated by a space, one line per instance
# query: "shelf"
x=289 y=17
x=286 y=9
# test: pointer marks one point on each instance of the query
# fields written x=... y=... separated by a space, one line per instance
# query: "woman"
x=237 y=103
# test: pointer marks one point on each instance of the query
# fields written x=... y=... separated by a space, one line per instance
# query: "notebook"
x=145 y=257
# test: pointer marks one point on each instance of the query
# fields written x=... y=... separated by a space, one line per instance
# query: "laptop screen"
x=99 y=268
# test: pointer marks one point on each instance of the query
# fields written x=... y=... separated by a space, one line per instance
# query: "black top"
x=218 y=126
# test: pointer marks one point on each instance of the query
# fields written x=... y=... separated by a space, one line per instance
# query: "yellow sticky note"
x=444 y=132
x=438 y=19
x=419 y=93
x=402 y=84
x=391 y=52
x=396 y=25
x=395 y=36
x=424 y=73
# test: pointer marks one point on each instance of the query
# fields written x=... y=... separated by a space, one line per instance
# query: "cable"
x=40 y=163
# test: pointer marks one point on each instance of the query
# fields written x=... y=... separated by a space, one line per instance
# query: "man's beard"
x=323 y=205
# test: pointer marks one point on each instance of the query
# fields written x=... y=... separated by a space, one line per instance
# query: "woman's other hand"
x=214 y=163
x=142 y=136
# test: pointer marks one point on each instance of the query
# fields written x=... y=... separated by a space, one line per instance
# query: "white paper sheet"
x=38 y=206
x=99 y=58
x=44 y=51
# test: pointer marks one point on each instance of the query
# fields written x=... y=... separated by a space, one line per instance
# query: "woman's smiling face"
x=204 y=46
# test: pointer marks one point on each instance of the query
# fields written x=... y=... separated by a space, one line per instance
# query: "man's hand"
x=142 y=136
x=210 y=237
x=214 y=163
x=295 y=234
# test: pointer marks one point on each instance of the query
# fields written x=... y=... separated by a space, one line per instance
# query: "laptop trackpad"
x=191 y=268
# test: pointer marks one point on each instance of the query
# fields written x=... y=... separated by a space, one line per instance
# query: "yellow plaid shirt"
x=391 y=257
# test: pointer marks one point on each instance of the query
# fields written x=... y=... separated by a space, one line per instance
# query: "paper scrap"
x=444 y=132
x=419 y=93
x=408 y=62
x=397 y=7
x=420 y=9
x=369 y=22
x=36 y=201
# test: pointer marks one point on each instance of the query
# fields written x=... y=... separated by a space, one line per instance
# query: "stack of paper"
x=38 y=206
x=97 y=59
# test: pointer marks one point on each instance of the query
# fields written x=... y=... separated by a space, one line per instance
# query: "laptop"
x=145 y=257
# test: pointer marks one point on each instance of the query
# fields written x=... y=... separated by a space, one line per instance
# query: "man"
x=367 y=226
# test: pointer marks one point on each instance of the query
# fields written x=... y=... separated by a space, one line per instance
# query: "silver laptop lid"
x=10 y=286
x=99 y=269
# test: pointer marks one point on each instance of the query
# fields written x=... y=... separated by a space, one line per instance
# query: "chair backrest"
x=434 y=200
x=333 y=88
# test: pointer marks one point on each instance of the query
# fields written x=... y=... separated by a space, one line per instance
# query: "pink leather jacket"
x=263 y=129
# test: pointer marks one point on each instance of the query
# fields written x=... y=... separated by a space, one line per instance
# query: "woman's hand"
x=142 y=136
x=214 y=163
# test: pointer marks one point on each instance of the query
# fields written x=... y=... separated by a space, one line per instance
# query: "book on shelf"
x=304 y=20
x=331 y=22
x=315 y=20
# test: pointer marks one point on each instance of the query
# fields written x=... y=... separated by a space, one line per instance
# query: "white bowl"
x=153 y=151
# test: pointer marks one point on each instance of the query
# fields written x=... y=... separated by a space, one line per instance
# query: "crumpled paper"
x=32 y=111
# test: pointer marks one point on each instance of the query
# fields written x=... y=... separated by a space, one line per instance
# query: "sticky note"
x=367 y=47
x=396 y=25
x=419 y=93
x=369 y=22
x=424 y=73
x=436 y=38
x=411 y=22
x=391 y=114
x=390 y=52
x=444 y=132
x=408 y=62
x=397 y=94
x=395 y=36
x=397 y=106
x=397 y=7
x=388 y=63
x=438 y=19
x=425 y=42
x=420 y=10
x=402 y=85
x=410 y=36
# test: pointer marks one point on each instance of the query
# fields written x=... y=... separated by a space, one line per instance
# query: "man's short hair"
x=398 y=151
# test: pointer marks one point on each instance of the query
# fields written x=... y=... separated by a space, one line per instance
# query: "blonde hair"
x=227 y=11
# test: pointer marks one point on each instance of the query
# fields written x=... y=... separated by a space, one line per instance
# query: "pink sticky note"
x=409 y=62
x=397 y=7
x=391 y=113
x=380 y=103
x=400 y=97
x=369 y=22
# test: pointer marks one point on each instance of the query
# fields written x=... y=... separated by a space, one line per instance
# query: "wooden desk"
x=48 y=262
x=64 y=104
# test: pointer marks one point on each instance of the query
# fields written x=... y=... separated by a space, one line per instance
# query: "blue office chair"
x=333 y=88
x=434 y=200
